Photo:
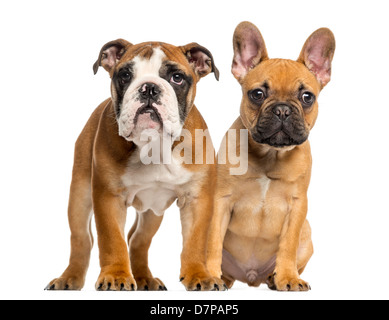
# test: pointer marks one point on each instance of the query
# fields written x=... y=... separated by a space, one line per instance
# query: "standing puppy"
x=261 y=215
x=153 y=90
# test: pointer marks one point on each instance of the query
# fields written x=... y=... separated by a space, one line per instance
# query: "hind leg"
x=139 y=240
x=80 y=215
x=228 y=281
x=80 y=209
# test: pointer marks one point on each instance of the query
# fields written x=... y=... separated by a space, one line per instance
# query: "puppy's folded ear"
x=110 y=54
x=200 y=59
x=317 y=54
x=249 y=49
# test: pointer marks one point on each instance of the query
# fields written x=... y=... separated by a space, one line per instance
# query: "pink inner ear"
x=247 y=53
x=200 y=59
x=111 y=57
x=318 y=60
x=244 y=61
x=321 y=67
x=249 y=50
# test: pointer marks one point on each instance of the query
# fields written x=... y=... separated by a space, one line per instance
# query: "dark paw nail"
x=288 y=287
x=198 y=287
x=164 y=288
x=132 y=287
x=216 y=287
x=225 y=287
x=182 y=279
x=121 y=286
x=146 y=288
x=100 y=286
x=52 y=287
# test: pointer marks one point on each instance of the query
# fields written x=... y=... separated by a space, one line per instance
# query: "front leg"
x=196 y=215
x=286 y=276
x=110 y=215
x=139 y=240
x=218 y=229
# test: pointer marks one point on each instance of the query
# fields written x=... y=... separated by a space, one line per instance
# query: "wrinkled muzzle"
x=149 y=104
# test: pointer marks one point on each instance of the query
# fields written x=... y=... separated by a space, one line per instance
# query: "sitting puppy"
x=153 y=90
x=260 y=216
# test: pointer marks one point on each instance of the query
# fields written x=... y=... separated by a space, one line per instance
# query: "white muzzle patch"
x=137 y=119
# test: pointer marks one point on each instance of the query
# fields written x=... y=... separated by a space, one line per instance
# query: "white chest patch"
x=155 y=186
x=264 y=184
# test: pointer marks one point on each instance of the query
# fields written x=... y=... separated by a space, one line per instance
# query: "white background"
x=48 y=91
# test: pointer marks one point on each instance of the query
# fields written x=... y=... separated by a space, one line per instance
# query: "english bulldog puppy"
x=153 y=91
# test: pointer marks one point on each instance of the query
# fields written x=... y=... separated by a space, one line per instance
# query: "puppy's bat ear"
x=200 y=59
x=110 y=54
x=249 y=49
x=317 y=54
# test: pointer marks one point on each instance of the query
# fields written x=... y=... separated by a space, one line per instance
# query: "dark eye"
x=308 y=99
x=177 y=78
x=125 y=77
x=257 y=95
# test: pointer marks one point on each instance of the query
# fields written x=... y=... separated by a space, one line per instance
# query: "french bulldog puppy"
x=260 y=233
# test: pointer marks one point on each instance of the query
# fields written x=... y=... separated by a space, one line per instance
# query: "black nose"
x=149 y=90
x=282 y=112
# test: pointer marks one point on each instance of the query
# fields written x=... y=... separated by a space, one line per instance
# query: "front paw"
x=72 y=279
x=116 y=281
x=150 y=284
x=285 y=282
x=75 y=283
x=202 y=282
